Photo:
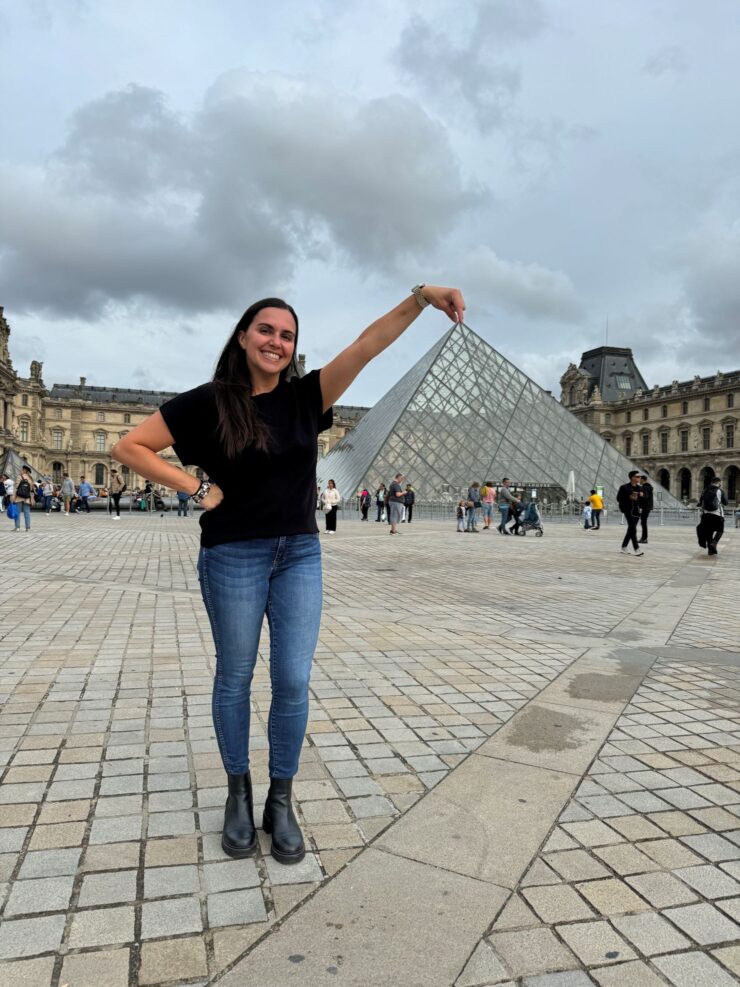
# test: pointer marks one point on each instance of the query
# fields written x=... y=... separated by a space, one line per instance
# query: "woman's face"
x=332 y=485
x=269 y=341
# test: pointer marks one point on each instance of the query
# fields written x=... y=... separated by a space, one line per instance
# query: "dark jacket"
x=707 y=497
x=646 y=501
x=409 y=497
x=627 y=506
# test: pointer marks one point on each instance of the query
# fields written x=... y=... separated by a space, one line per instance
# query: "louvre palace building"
x=681 y=434
x=71 y=428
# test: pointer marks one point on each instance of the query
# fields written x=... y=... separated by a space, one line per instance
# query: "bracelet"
x=202 y=491
x=418 y=295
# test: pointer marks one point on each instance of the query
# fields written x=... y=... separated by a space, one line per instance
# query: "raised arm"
x=339 y=374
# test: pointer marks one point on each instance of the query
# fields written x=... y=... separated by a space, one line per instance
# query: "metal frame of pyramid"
x=464 y=412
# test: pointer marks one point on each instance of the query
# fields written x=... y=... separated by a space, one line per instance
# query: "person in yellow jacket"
x=597 y=506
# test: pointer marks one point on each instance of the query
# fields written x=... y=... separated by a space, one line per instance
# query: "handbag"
x=13 y=512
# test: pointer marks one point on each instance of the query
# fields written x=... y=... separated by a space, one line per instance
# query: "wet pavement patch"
x=539 y=728
x=602 y=688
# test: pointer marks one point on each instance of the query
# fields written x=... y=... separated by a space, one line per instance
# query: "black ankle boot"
x=287 y=840
x=239 y=838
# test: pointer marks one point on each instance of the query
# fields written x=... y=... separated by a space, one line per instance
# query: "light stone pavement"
x=571 y=869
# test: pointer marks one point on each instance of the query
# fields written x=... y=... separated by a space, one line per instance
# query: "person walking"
x=9 y=488
x=47 y=492
x=473 y=505
x=330 y=500
x=646 y=506
x=711 y=527
x=488 y=500
x=67 y=491
x=24 y=498
x=628 y=499
x=597 y=506
x=587 y=515
x=85 y=490
x=364 y=504
x=516 y=507
x=395 y=502
x=505 y=500
x=409 y=499
x=117 y=487
x=380 y=502
x=260 y=553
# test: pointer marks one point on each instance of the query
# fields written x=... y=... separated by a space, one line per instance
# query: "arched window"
x=731 y=482
x=99 y=474
x=664 y=479
x=56 y=438
x=706 y=476
x=684 y=483
x=100 y=442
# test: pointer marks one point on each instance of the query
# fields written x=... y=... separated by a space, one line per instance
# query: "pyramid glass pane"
x=465 y=413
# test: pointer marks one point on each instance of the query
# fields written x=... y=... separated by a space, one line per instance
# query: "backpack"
x=23 y=490
x=710 y=499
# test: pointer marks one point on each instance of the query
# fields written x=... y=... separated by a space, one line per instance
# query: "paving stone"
x=650 y=933
x=482 y=967
x=178 y=959
x=108 y=888
x=306 y=871
x=230 y=876
x=516 y=914
x=558 y=903
x=632 y=974
x=532 y=951
x=27 y=973
x=694 y=970
x=704 y=924
x=170 y=918
x=373 y=805
x=119 y=829
x=45 y=894
x=670 y=854
x=236 y=908
x=102 y=927
x=570 y=978
x=626 y=859
x=108 y=967
x=575 y=865
x=709 y=881
x=712 y=846
x=595 y=943
x=611 y=896
x=730 y=957
x=125 y=857
x=30 y=936
x=593 y=833
x=50 y=863
x=180 y=850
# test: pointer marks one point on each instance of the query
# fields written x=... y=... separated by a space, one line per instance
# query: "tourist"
x=474 y=503
x=24 y=498
x=461 y=516
x=47 y=492
x=597 y=506
x=117 y=487
x=330 y=500
x=646 y=506
x=516 y=507
x=380 y=502
x=409 y=499
x=586 y=512
x=395 y=502
x=364 y=504
x=9 y=486
x=3 y=490
x=86 y=491
x=488 y=500
x=260 y=554
x=628 y=499
x=505 y=500
x=183 y=502
x=711 y=527
x=68 y=492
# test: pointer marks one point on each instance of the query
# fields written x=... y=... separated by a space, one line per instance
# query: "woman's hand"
x=213 y=498
x=448 y=300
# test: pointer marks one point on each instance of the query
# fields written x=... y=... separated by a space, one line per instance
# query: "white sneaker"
x=625 y=551
x=639 y=551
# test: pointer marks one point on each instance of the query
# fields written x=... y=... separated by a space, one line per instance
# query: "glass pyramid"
x=465 y=413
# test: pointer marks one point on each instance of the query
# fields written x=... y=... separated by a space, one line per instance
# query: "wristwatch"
x=416 y=292
x=202 y=491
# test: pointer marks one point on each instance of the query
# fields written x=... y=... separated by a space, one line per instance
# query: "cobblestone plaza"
x=522 y=766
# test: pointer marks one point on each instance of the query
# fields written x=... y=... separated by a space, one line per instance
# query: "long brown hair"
x=239 y=424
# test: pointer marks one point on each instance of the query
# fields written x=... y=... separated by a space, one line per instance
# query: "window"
x=126 y=418
x=706 y=404
x=645 y=414
x=684 y=440
x=706 y=437
x=24 y=400
x=664 y=411
x=99 y=474
x=125 y=473
x=628 y=445
x=56 y=472
x=730 y=400
x=628 y=417
x=58 y=413
x=100 y=443
x=645 y=444
x=25 y=431
x=100 y=416
x=730 y=435
x=56 y=438
x=684 y=407
x=623 y=382
x=664 y=442
x=607 y=418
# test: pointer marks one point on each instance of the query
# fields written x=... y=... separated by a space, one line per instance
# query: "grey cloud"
x=710 y=260
x=670 y=60
x=469 y=71
x=201 y=213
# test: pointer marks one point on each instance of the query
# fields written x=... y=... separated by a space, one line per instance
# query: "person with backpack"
x=24 y=498
x=712 y=525
x=117 y=487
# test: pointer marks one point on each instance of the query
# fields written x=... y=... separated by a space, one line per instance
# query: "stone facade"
x=680 y=434
x=71 y=428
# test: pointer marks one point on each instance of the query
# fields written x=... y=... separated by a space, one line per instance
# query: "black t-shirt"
x=266 y=494
x=395 y=489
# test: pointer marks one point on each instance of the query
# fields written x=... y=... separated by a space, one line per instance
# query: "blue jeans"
x=504 y=508
x=24 y=509
x=241 y=583
x=47 y=503
x=472 y=517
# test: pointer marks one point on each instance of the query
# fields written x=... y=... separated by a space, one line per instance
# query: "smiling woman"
x=253 y=431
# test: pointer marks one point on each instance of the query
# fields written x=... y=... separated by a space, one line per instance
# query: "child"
x=461 y=516
x=586 y=515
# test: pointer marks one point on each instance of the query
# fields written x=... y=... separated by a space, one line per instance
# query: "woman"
x=364 y=504
x=330 y=500
x=260 y=553
x=409 y=499
x=380 y=494
x=24 y=497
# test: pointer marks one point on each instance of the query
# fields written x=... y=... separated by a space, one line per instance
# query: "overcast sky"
x=165 y=164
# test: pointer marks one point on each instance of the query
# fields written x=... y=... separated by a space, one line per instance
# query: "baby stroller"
x=531 y=521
